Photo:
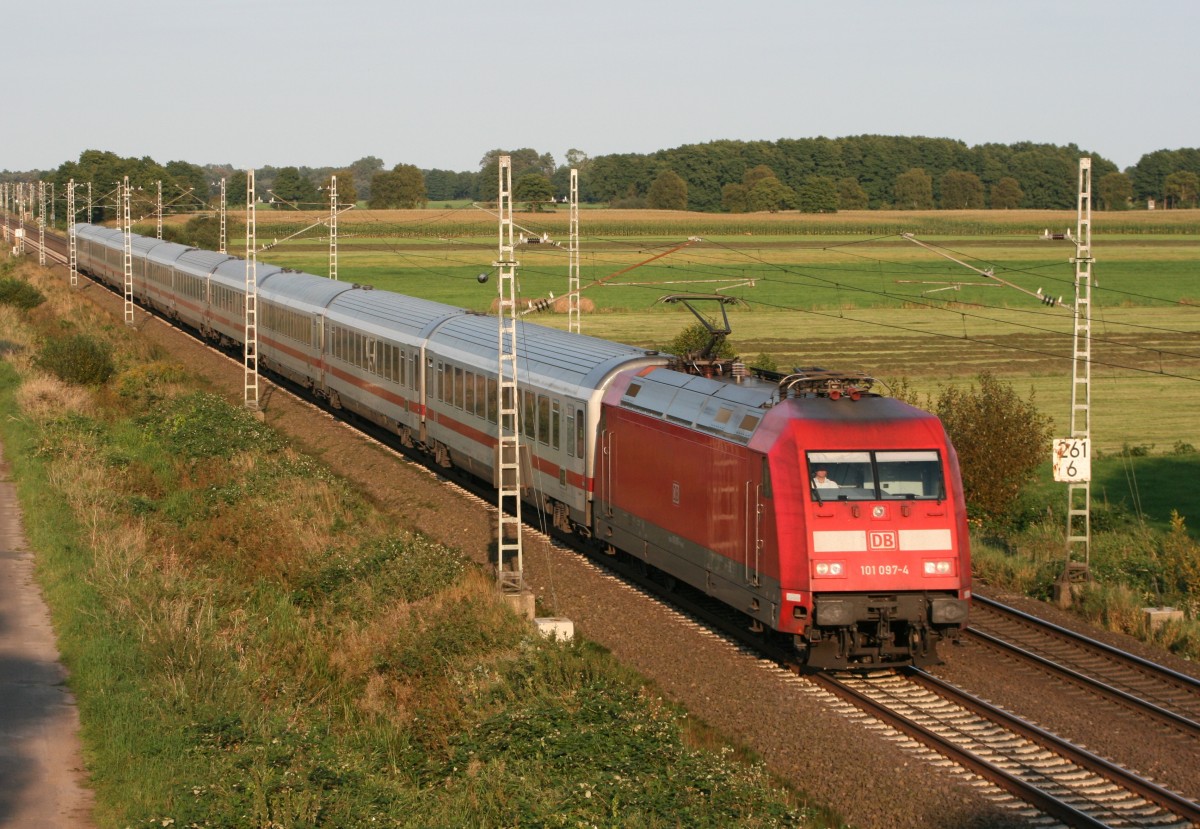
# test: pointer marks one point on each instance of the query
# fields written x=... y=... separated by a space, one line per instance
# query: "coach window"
x=529 y=416
x=469 y=392
x=493 y=400
x=555 y=417
x=543 y=429
x=480 y=395
x=459 y=387
x=579 y=433
x=570 y=431
x=441 y=381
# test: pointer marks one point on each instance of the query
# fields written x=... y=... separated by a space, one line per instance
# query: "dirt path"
x=41 y=784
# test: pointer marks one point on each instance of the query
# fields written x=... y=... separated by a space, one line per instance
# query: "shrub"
x=203 y=425
x=20 y=294
x=79 y=359
x=1000 y=440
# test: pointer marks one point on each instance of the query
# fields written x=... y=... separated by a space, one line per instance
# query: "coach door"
x=753 y=539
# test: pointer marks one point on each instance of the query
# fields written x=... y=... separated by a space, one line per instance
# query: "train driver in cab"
x=822 y=481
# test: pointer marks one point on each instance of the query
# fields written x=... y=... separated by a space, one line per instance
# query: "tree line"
x=815 y=175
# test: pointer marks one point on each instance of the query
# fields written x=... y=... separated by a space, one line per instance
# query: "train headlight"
x=939 y=567
x=830 y=569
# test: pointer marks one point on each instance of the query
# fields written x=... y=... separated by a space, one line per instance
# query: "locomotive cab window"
x=869 y=476
x=841 y=476
x=910 y=475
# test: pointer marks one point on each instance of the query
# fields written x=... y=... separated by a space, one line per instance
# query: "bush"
x=20 y=294
x=1000 y=440
x=79 y=359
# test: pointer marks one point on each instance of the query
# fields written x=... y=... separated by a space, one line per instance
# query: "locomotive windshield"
x=875 y=476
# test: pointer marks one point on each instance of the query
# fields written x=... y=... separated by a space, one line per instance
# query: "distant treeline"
x=817 y=175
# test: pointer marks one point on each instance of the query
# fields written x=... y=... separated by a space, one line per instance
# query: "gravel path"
x=41 y=785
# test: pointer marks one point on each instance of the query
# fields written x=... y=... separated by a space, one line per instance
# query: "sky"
x=438 y=84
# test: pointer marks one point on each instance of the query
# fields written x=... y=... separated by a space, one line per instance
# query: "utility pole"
x=71 y=233
x=126 y=226
x=573 y=322
x=222 y=247
x=251 y=337
x=508 y=448
x=333 y=211
x=1072 y=456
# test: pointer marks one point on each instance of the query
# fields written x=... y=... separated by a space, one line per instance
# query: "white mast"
x=251 y=338
x=333 y=211
x=508 y=457
x=71 y=232
x=41 y=223
x=573 y=273
x=1079 y=496
x=126 y=226
x=222 y=247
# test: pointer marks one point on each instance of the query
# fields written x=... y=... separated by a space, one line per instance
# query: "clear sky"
x=439 y=83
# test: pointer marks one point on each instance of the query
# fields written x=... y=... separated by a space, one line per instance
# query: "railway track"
x=1142 y=686
x=1064 y=784
x=1063 y=781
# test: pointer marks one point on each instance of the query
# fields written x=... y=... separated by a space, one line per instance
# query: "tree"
x=1000 y=439
x=961 y=191
x=668 y=192
x=693 y=339
x=1115 y=191
x=525 y=160
x=1180 y=189
x=914 y=190
x=363 y=171
x=1007 y=194
x=770 y=194
x=733 y=198
x=819 y=194
x=402 y=187
x=756 y=174
x=851 y=196
x=535 y=189
x=293 y=191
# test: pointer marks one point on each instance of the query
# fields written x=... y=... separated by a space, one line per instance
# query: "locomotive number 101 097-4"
x=883 y=569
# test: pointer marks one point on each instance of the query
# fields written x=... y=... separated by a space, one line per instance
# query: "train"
x=823 y=512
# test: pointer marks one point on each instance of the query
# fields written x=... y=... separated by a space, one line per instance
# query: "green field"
x=816 y=293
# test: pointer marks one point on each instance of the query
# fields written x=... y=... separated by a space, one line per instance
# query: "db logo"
x=881 y=541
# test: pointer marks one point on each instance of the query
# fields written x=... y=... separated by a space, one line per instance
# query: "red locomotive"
x=815 y=507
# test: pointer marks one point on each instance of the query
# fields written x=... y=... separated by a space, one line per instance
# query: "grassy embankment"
x=846 y=291
x=252 y=643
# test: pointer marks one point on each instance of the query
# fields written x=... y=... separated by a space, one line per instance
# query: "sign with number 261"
x=1072 y=460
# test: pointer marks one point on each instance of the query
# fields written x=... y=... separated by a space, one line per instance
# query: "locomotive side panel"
x=690 y=504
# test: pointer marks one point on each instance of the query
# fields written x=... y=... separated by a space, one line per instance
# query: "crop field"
x=839 y=291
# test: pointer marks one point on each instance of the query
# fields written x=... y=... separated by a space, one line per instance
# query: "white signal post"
x=333 y=213
x=251 y=338
x=126 y=226
x=508 y=447
x=573 y=322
